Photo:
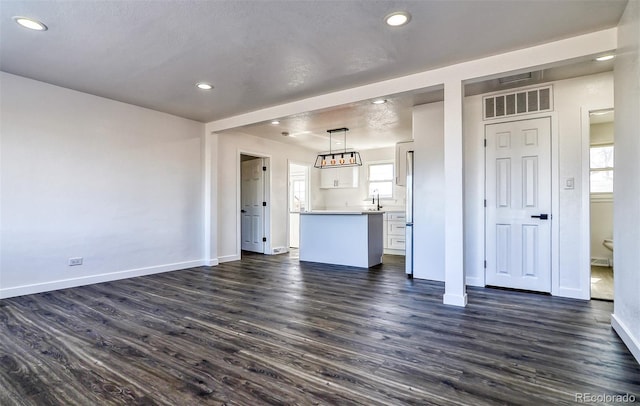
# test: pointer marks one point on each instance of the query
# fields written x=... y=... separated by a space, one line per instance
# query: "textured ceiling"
x=264 y=53
x=377 y=126
x=370 y=126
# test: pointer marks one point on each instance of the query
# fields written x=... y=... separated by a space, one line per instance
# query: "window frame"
x=391 y=179
x=601 y=196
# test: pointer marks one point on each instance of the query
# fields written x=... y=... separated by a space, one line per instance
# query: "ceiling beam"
x=537 y=56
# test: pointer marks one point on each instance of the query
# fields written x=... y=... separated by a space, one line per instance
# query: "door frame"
x=308 y=193
x=585 y=198
x=266 y=227
x=555 y=194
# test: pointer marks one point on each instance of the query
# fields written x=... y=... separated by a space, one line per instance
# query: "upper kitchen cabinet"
x=401 y=161
x=339 y=178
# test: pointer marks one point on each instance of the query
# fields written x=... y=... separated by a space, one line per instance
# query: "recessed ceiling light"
x=379 y=101
x=204 y=86
x=275 y=122
x=397 y=18
x=605 y=58
x=30 y=23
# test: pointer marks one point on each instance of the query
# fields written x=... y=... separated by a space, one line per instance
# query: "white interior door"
x=252 y=209
x=518 y=213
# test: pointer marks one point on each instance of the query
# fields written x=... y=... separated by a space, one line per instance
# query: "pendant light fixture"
x=338 y=158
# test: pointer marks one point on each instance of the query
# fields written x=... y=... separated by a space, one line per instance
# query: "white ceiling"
x=264 y=53
x=370 y=125
x=378 y=126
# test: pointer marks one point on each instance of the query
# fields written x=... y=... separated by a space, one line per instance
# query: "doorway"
x=601 y=172
x=298 y=200
x=253 y=202
x=518 y=204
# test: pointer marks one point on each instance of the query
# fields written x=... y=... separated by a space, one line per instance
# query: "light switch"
x=569 y=183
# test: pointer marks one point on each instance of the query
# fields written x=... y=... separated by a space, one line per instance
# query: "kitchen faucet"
x=373 y=200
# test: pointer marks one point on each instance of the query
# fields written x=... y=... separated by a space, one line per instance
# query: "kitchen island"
x=342 y=237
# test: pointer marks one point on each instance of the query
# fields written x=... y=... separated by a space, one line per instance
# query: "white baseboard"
x=455 y=300
x=475 y=281
x=211 y=262
x=632 y=343
x=426 y=278
x=228 y=258
x=391 y=251
x=89 y=280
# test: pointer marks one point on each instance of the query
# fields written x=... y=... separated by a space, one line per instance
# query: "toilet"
x=608 y=243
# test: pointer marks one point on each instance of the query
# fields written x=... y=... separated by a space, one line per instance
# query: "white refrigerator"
x=409 y=214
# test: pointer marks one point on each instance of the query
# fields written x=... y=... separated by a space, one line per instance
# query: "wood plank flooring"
x=272 y=330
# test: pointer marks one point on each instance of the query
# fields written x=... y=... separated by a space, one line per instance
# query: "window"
x=601 y=162
x=298 y=195
x=381 y=180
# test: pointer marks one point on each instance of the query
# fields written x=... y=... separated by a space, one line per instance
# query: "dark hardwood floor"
x=271 y=330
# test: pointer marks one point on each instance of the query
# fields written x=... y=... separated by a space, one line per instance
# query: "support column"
x=210 y=198
x=455 y=289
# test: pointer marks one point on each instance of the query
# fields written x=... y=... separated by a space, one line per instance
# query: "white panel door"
x=252 y=196
x=518 y=213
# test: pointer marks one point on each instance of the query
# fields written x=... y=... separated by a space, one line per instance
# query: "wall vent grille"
x=519 y=102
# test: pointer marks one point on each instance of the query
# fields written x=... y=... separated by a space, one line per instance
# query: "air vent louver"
x=518 y=102
x=515 y=78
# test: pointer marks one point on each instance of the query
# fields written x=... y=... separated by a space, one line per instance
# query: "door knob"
x=541 y=217
x=243 y=211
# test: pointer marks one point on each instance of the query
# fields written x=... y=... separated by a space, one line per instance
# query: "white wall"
x=428 y=191
x=573 y=99
x=569 y=98
x=356 y=198
x=84 y=176
x=626 y=317
x=601 y=228
x=473 y=191
x=230 y=145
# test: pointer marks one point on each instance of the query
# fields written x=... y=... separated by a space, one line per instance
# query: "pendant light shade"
x=338 y=158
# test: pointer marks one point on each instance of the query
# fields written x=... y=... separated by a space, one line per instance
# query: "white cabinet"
x=395 y=225
x=401 y=161
x=337 y=178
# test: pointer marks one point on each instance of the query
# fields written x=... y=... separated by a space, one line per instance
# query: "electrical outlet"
x=75 y=261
